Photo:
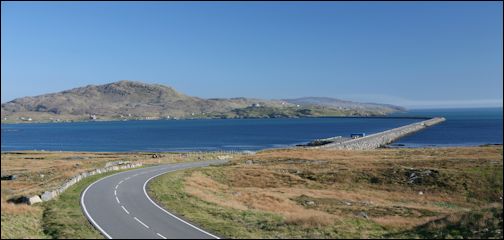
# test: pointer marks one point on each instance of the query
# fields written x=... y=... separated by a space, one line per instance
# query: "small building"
x=92 y=117
x=25 y=119
x=357 y=135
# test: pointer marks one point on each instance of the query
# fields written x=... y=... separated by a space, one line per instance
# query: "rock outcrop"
x=33 y=200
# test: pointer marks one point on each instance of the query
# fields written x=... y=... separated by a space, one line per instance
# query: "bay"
x=463 y=127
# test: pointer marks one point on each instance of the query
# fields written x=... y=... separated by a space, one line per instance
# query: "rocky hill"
x=137 y=100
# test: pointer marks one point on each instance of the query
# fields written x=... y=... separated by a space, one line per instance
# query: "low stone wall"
x=48 y=195
x=380 y=139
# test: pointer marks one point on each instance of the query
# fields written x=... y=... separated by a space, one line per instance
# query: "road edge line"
x=83 y=206
x=169 y=213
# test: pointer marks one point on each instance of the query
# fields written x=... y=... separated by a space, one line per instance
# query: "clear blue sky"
x=418 y=54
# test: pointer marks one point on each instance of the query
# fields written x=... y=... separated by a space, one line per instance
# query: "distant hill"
x=343 y=104
x=125 y=100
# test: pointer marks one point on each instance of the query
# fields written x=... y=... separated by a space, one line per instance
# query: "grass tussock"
x=21 y=221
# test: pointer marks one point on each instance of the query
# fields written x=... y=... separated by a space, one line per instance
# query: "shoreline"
x=185 y=119
x=14 y=152
x=396 y=115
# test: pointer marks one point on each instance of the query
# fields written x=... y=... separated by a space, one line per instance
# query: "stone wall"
x=48 y=195
x=380 y=139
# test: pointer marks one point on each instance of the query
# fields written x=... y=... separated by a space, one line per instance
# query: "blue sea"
x=463 y=127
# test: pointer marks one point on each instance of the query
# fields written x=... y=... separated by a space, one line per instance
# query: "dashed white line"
x=115 y=192
x=116 y=186
x=120 y=182
x=163 y=237
x=117 y=199
x=141 y=222
x=88 y=216
x=125 y=209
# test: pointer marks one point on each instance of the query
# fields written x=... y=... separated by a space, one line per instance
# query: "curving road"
x=119 y=207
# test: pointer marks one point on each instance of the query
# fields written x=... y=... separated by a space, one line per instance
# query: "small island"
x=133 y=100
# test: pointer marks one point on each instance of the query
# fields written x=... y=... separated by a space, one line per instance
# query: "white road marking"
x=141 y=222
x=125 y=209
x=117 y=199
x=169 y=213
x=83 y=204
x=155 y=168
x=87 y=213
x=163 y=237
x=116 y=186
x=115 y=192
x=120 y=182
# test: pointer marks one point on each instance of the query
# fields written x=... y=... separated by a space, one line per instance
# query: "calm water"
x=463 y=127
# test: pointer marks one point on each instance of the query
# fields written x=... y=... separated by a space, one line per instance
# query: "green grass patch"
x=23 y=225
x=485 y=223
x=491 y=176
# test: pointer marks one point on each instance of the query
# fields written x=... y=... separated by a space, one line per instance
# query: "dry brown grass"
x=399 y=222
x=11 y=208
x=314 y=188
x=38 y=171
x=308 y=219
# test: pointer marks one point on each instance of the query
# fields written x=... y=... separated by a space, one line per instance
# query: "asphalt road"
x=119 y=207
